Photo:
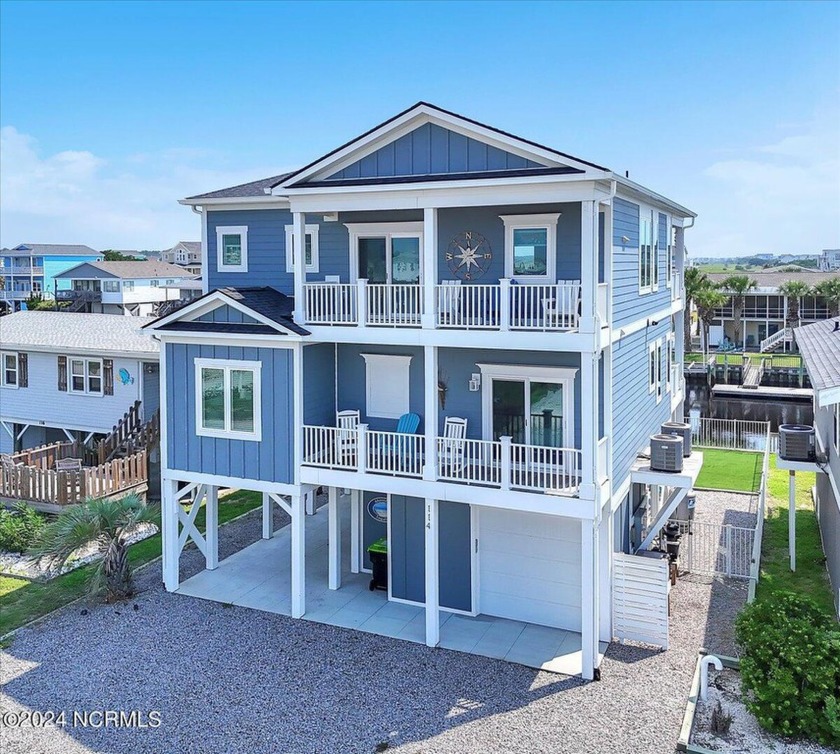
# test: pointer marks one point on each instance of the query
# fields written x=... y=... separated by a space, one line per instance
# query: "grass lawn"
x=810 y=577
x=22 y=601
x=730 y=470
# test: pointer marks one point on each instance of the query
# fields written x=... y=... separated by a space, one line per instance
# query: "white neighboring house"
x=830 y=260
x=186 y=254
x=72 y=376
x=121 y=287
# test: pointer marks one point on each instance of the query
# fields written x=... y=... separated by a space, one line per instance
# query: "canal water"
x=700 y=402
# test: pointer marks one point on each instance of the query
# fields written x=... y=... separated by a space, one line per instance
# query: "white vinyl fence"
x=640 y=599
x=730 y=434
x=711 y=548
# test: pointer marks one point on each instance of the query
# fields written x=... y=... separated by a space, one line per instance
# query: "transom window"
x=530 y=246
x=232 y=248
x=228 y=399
x=86 y=376
x=311 y=253
x=10 y=369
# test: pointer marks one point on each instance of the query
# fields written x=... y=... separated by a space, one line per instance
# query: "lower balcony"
x=496 y=464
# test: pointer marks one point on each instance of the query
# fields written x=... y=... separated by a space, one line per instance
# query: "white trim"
x=388 y=231
x=244 y=483
x=227 y=365
x=205 y=261
x=9 y=385
x=547 y=222
x=311 y=230
x=645 y=220
x=232 y=230
x=85 y=376
x=393 y=364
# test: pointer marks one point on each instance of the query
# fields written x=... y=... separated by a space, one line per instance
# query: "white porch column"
x=334 y=540
x=792 y=518
x=430 y=270
x=588 y=265
x=589 y=424
x=267 y=516
x=605 y=542
x=298 y=556
x=432 y=591
x=211 y=531
x=355 y=531
x=430 y=417
x=169 y=527
x=299 y=240
x=589 y=622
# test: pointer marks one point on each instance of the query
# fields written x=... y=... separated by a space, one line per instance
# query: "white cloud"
x=782 y=197
x=75 y=196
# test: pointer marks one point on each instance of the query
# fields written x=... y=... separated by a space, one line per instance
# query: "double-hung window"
x=86 y=376
x=111 y=286
x=531 y=247
x=10 y=369
x=311 y=252
x=648 y=263
x=228 y=399
x=232 y=248
x=128 y=285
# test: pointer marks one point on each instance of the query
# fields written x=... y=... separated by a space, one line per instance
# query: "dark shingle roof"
x=254 y=188
x=819 y=345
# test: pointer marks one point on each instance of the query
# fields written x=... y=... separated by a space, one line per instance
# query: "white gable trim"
x=419 y=116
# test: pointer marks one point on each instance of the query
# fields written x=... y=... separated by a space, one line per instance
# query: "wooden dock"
x=763 y=392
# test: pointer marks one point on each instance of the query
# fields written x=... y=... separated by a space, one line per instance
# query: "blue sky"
x=110 y=112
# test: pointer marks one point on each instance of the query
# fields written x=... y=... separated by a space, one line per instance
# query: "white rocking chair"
x=449 y=302
x=562 y=310
x=347 y=437
x=451 y=446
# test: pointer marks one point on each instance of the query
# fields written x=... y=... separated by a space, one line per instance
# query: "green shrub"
x=19 y=527
x=790 y=667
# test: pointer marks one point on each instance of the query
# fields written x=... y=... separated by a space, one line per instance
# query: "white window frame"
x=836 y=439
x=85 y=376
x=228 y=365
x=654 y=218
x=564 y=376
x=547 y=222
x=654 y=369
x=232 y=230
x=311 y=230
x=127 y=285
x=669 y=362
x=669 y=237
x=386 y=231
x=397 y=368
x=646 y=216
x=115 y=286
x=10 y=385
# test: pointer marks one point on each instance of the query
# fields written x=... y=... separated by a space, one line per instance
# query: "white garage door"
x=529 y=567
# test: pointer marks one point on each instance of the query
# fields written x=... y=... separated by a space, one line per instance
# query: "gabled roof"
x=149 y=269
x=52 y=249
x=243 y=190
x=194 y=247
x=819 y=345
x=66 y=332
x=270 y=309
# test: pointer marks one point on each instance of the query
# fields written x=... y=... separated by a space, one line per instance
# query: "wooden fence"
x=120 y=433
x=45 y=456
x=47 y=486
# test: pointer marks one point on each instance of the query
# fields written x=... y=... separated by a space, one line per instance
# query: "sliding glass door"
x=531 y=412
x=390 y=259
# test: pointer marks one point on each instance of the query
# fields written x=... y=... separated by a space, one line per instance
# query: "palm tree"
x=707 y=301
x=829 y=289
x=794 y=290
x=695 y=280
x=737 y=287
x=106 y=522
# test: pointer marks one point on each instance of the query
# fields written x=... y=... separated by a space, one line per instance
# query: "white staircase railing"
x=782 y=336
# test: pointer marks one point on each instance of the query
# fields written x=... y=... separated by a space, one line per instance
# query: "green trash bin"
x=378 y=552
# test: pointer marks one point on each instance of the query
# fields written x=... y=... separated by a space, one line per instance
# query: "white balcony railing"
x=15 y=295
x=501 y=464
x=498 y=306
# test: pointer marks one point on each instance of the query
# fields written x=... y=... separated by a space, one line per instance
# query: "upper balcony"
x=16 y=270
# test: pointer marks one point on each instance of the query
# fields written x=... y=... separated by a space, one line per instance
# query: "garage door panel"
x=539 y=548
x=530 y=524
x=531 y=611
x=500 y=561
x=545 y=591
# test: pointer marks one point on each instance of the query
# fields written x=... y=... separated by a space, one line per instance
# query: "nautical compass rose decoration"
x=469 y=255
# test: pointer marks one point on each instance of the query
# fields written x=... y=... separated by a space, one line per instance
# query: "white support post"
x=170 y=533
x=430 y=272
x=309 y=502
x=506 y=461
x=355 y=531
x=334 y=540
x=504 y=304
x=432 y=588
x=361 y=448
x=298 y=557
x=430 y=408
x=361 y=302
x=211 y=531
x=588 y=600
x=588 y=265
x=267 y=516
x=299 y=240
x=605 y=542
x=792 y=518
x=589 y=425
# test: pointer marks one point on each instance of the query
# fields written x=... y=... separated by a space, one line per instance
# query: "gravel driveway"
x=230 y=680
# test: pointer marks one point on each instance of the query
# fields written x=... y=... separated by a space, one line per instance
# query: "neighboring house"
x=30 y=268
x=766 y=309
x=819 y=345
x=830 y=259
x=136 y=288
x=187 y=254
x=72 y=376
x=514 y=311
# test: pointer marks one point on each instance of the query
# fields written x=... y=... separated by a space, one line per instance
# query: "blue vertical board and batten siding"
x=228 y=315
x=628 y=304
x=433 y=150
x=267 y=460
x=636 y=413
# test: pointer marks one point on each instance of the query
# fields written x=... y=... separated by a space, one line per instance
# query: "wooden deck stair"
x=129 y=435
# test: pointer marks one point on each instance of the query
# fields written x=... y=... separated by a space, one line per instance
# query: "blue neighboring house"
x=473 y=349
x=30 y=268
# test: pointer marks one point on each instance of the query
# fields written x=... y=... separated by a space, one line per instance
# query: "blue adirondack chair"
x=408 y=424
